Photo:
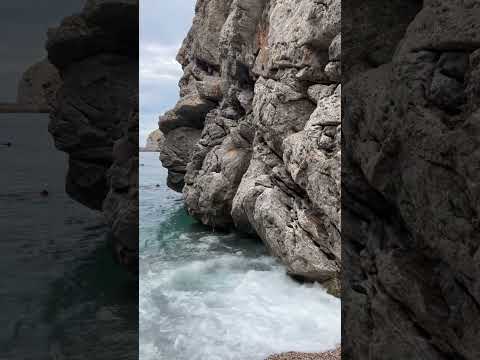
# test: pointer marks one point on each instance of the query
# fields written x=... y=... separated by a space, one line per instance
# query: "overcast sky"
x=23 y=31
x=163 y=26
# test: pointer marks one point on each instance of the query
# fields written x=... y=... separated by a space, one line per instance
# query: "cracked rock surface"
x=254 y=141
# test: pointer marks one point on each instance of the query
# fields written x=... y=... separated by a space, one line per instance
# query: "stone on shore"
x=328 y=355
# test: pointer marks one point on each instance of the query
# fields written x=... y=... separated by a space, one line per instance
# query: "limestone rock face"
x=38 y=86
x=154 y=142
x=95 y=116
x=254 y=142
x=410 y=192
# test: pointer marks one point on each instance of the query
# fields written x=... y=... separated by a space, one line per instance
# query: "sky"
x=163 y=26
x=23 y=29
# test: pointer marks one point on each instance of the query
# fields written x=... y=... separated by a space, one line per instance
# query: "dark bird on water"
x=7 y=144
x=44 y=192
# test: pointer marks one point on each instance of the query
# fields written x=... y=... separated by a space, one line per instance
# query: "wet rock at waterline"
x=254 y=142
x=95 y=116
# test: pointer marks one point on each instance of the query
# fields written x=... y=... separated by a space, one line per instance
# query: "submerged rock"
x=254 y=142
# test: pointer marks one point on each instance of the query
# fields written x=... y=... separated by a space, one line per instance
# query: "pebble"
x=328 y=355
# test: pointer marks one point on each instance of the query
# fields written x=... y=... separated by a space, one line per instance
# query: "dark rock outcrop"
x=95 y=116
x=410 y=184
x=254 y=142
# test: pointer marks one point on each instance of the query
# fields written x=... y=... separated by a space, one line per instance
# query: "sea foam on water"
x=208 y=296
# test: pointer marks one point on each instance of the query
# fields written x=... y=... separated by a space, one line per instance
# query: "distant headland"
x=36 y=90
x=154 y=142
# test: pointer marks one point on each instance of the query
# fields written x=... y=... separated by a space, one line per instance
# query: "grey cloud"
x=163 y=25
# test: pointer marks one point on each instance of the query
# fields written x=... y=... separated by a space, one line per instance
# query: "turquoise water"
x=61 y=294
x=207 y=295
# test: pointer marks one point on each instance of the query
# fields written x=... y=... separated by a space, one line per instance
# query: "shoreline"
x=335 y=354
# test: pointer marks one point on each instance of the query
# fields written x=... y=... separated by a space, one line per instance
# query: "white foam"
x=210 y=239
x=231 y=307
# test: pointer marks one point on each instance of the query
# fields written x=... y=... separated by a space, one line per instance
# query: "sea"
x=209 y=295
x=61 y=294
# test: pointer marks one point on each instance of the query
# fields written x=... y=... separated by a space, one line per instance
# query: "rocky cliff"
x=38 y=86
x=154 y=142
x=411 y=175
x=254 y=141
x=95 y=115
